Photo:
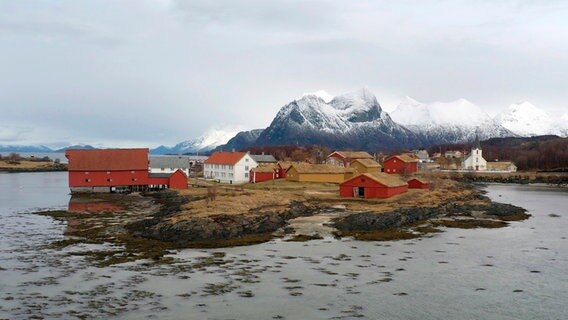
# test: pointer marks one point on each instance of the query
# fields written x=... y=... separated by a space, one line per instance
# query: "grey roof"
x=263 y=158
x=160 y=175
x=176 y=162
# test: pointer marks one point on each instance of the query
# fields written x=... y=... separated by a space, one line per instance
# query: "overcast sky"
x=144 y=73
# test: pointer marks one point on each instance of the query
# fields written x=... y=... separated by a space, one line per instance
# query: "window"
x=133 y=179
x=231 y=175
x=246 y=160
x=131 y=171
x=109 y=180
x=87 y=180
x=162 y=169
x=246 y=168
x=108 y=172
x=246 y=174
x=86 y=172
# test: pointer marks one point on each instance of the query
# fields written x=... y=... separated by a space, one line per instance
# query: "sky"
x=135 y=73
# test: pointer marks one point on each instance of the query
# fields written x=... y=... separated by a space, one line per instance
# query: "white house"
x=229 y=167
x=474 y=161
x=169 y=164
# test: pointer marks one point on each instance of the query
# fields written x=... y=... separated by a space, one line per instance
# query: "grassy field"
x=275 y=196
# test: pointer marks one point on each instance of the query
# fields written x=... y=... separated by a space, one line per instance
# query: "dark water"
x=517 y=272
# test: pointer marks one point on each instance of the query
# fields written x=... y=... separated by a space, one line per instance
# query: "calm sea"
x=517 y=272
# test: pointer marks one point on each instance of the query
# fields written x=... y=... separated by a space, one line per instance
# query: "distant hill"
x=547 y=152
x=75 y=147
x=23 y=148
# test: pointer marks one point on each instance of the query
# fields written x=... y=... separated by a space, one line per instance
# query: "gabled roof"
x=266 y=168
x=107 y=159
x=499 y=164
x=352 y=154
x=385 y=179
x=164 y=175
x=368 y=163
x=403 y=158
x=229 y=158
x=169 y=162
x=318 y=168
x=419 y=180
x=263 y=158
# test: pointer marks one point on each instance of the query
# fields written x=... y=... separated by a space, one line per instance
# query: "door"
x=361 y=192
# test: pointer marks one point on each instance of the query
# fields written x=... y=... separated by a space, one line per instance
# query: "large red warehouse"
x=401 y=164
x=110 y=170
x=373 y=185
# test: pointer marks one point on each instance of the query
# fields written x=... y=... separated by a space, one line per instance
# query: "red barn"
x=401 y=164
x=110 y=170
x=416 y=183
x=266 y=173
x=372 y=185
x=175 y=180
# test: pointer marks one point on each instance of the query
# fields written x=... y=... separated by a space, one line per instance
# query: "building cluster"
x=358 y=173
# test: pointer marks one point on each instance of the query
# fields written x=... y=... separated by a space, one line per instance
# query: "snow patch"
x=322 y=94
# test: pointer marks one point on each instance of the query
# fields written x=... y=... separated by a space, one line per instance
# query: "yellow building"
x=366 y=166
x=305 y=172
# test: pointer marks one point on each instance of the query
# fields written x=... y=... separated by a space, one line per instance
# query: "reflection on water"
x=518 y=272
x=89 y=204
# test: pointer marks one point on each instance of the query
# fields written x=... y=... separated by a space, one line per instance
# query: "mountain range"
x=205 y=143
x=356 y=120
x=40 y=149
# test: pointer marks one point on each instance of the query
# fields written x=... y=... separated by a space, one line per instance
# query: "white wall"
x=168 y=170
x=238 y=173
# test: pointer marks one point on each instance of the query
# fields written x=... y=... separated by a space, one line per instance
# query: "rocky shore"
x=148 y=226
x=219 y=229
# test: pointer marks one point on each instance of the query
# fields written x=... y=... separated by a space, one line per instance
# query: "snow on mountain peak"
x=459 y=112
x=322 y=94
x=527 y=120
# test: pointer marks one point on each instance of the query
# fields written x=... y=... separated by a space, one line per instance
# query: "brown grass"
x=275 y=196
x=24 y=164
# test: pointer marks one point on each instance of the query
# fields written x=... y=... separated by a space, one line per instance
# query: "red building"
x=266 y=173
x=416 y=183
x=115 y=170
x=401 y=164
x=372 y=185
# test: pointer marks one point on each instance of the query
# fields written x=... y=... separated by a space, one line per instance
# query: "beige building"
x=505 y=166
x=366 y=166
x=305 y=172
x=344 y=158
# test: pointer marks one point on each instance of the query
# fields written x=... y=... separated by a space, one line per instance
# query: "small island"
x=14 y=162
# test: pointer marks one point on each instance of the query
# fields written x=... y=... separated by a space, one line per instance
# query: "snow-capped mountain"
x=207 y=142
x=353 y=120
x=447 y=122
x=243 y=140
x=527 y=120
x=320 y=94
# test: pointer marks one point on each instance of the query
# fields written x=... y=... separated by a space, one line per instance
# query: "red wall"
x=395 y=165
x=415 y=184
x=266 y=176
x=373 y=189
x=178 y=180
x=100 y=178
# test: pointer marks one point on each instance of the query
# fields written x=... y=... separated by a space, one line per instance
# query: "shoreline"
x=149 y=226
x=33 y=170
